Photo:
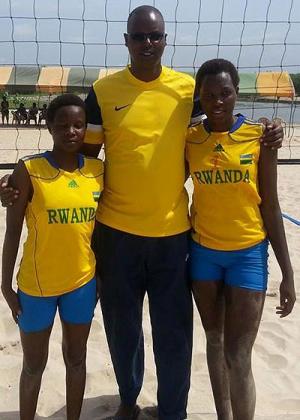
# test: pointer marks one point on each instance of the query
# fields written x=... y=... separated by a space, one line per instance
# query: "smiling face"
x=68 y=128
x=218 y=96
x=146 y=39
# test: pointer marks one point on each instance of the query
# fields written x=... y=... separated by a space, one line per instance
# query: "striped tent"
x=276 y=84
x=49 y=79
x=62 y=79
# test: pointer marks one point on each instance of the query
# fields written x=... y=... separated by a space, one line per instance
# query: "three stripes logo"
x=73 y=184
x=219 y=148
x=246 y=159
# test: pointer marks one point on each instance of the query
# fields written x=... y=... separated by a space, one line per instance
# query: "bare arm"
x=14 y=222
x=271 y=214
x=90 y=149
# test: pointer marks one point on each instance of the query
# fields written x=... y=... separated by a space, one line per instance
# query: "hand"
x=12 y=300
x=7 y=194
x=273 y=134
x=287 y=297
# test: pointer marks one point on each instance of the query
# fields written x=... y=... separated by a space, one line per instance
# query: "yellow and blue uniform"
x=143 y=127
x=225 y=210
x=60 y=217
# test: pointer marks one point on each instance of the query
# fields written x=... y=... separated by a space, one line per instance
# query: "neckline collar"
x=237 y=124
x=48 y=155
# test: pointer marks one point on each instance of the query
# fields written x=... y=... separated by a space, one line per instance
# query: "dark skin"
x=67 y=129
x=231 y=315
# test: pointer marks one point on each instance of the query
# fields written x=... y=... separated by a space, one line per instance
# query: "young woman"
x=235 y=212
x=59 y=190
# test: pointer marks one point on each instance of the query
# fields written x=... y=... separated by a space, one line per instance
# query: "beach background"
x=276 y=352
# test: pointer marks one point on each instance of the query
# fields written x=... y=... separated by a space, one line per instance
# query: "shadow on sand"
x=97 y=408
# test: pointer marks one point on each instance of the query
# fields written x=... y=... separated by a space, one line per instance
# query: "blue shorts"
x=76 y=307
x=246 y=268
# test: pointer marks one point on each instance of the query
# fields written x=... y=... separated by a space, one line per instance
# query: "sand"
x=276 y=352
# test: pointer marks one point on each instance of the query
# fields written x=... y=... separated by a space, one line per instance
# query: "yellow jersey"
x=224 y=167
x=143 y=126
x=57 y=255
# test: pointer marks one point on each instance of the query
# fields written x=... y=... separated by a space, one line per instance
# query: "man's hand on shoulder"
x=273 y=134
x=8 y=194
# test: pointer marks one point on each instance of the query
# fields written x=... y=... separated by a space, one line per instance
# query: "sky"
x=253 y=34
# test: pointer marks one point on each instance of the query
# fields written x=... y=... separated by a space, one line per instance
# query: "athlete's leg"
x=122 y=290
x=243 y=313
x=207 y=274
x=74 y=353
x=246 y=283
x=35 y=325
x=170 y=305
x=76 y=327
x=209 y=299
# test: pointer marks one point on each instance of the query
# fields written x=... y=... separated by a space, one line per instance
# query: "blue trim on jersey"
x=48 y=155
x=239 y=121
x=237 y=124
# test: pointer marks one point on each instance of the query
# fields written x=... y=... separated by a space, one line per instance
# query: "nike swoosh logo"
x=118 y=108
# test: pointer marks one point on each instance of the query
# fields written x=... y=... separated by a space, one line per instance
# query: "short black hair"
x=143 y=9
x=214 y=67
x=67 y=99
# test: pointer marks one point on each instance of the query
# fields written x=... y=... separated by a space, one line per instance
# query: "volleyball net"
x=51 y=47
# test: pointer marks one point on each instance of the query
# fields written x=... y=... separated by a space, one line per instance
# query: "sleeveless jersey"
x=57 y=255
x=143 y=127
x=225 y=209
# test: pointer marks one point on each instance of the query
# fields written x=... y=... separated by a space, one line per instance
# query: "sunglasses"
x=142 y=36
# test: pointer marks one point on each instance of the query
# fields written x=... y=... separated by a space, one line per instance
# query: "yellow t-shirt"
x=223 y=165
x=143 y=127
x=57 y=255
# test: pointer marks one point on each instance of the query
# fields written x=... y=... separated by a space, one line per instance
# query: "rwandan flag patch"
x=246 y=159
x=96 y=195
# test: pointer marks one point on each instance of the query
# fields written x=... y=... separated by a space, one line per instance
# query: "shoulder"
x=38 y=166
x=246 y=129
x=197 y=135
x=92 y=167
x=109 y=80
x=179 y=78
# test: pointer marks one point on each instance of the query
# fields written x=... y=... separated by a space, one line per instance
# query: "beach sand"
x=276 y=352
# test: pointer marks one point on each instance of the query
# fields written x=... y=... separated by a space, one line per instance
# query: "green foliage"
x=296 y=80
x=15 y=99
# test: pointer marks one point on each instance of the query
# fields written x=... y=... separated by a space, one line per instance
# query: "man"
x=141 y=114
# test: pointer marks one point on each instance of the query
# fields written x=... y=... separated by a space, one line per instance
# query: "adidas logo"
x=73 y=184
x=219 y=148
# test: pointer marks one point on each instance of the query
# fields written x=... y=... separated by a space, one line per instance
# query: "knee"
x=74 y=359
x=215 y=339
x=238 y=357
x=34 y=367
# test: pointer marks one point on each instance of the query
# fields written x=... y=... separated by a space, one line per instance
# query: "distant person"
x=235 y=213
x=32 y=114
x=5 y=110
x=59 y=194
x=21 y=114
x=42 y=114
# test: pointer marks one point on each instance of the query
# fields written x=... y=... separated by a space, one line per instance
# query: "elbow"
x=270 y=211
